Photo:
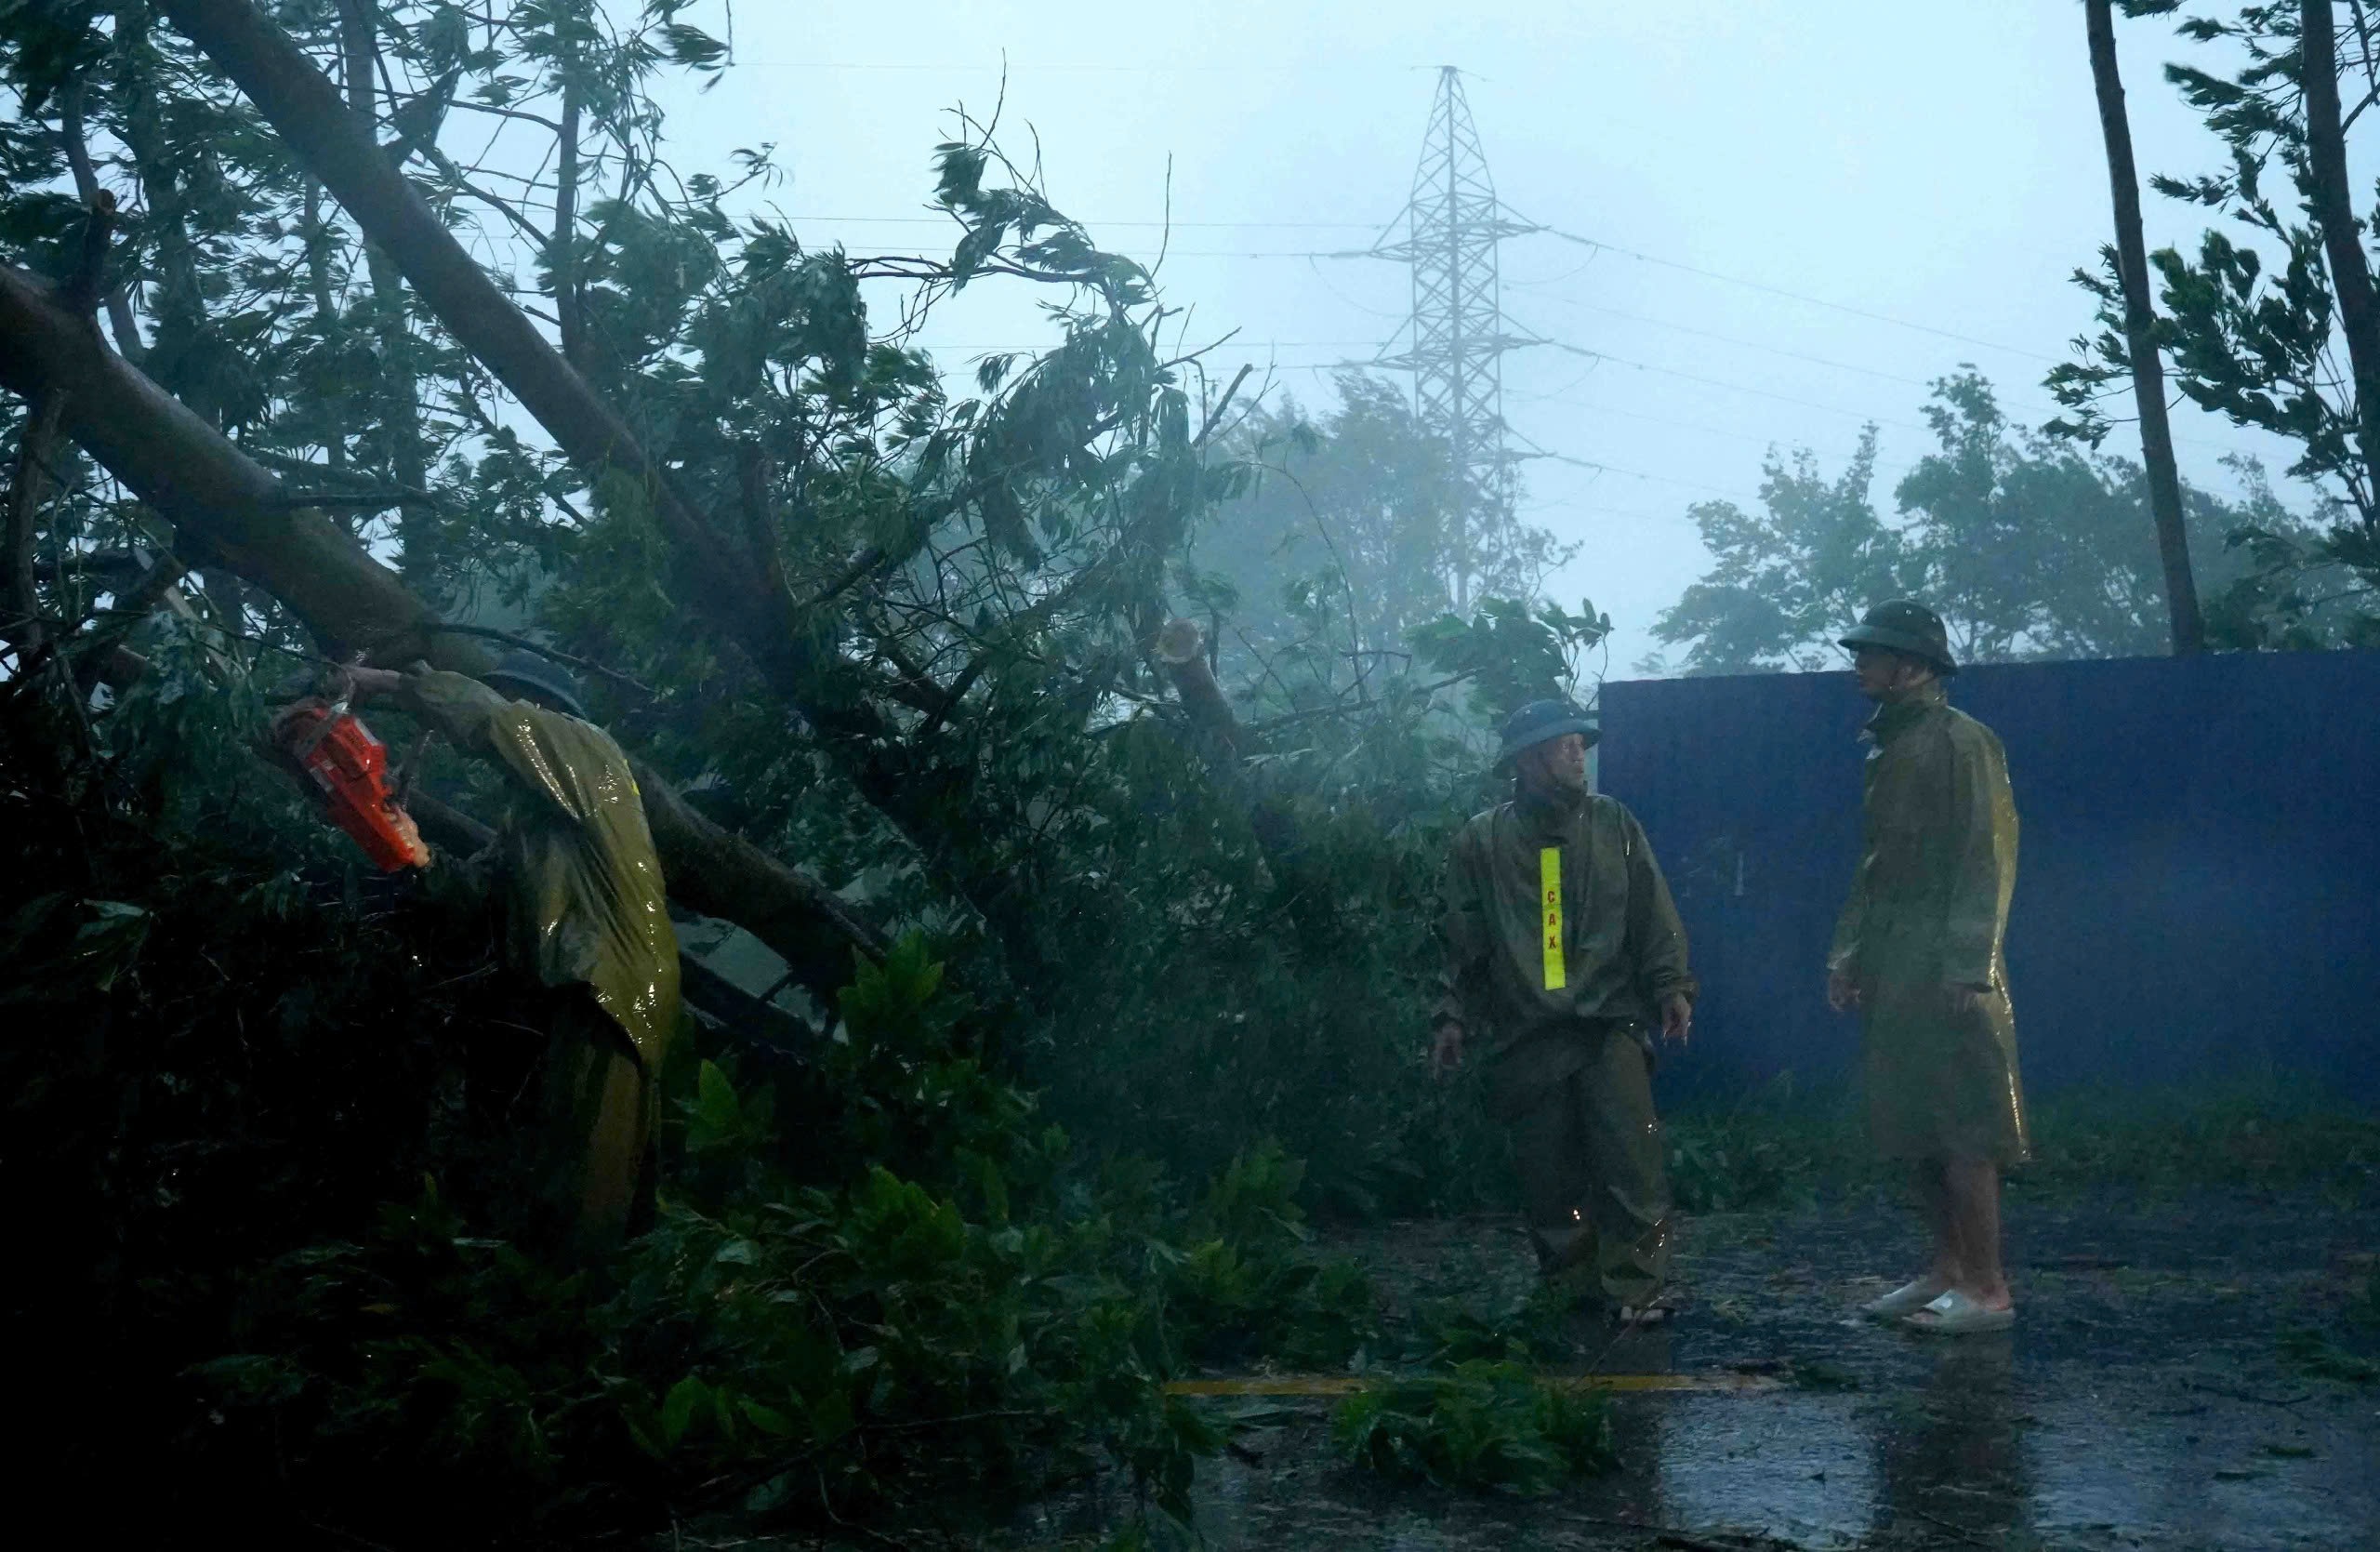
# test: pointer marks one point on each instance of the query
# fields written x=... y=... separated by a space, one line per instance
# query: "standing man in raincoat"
x=589 y=918
x=1919 y=952
x=1562 y=950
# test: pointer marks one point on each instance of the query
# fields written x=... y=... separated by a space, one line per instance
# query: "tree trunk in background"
x=167 y=273
x=727 y=586
x=1181 y=651
x=326 y=314
x=2140 y=338
x=232 y=508
x=303 y=107
x=229 y=505
x=399 y=396
x=561 y=250
x=2334 y=203
x=86 y=193
x=20 y=623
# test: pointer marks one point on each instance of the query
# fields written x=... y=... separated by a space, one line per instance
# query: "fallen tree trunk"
x=704 y=990
x=230 y=505
x=713 y=870
x=333 y=145
x=1181 y=650
x=232 y=508
x=740 y=593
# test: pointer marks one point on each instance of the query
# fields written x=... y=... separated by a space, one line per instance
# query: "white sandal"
x=1907 y=1299
x=1954 y=1314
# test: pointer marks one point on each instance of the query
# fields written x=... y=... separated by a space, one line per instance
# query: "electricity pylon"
x=1452 y=225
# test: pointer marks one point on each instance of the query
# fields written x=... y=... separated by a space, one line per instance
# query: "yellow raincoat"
x=587 y=909
x=1927 y=920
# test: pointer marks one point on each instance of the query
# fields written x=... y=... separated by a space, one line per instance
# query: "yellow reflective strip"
x=1549 y=879
x=1348 y=1385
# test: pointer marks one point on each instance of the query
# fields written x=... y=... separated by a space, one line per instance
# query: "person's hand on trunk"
x=372 y=683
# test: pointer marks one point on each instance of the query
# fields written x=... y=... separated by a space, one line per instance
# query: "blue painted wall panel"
x=2197 y=890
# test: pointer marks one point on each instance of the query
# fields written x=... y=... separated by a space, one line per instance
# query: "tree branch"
x=301 y=105
x=585 y=665
x=88 y=190
x=2327 y=192
x=22 y=624
x=224 y=502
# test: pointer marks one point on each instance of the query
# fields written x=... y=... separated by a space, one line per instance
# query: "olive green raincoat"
x=1926 y=925
x=587 y=909
x=1561 y=944
x=1620 y=951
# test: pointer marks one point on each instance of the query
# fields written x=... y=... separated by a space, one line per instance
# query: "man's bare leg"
x=1972 y=1188
x=1941 y=1225
x=1942 y=1273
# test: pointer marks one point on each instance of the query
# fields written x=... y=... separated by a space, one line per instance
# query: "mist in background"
x=1938 y=166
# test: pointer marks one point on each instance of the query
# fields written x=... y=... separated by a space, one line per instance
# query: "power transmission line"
x=1720 y=382
x=1792 y=295
x=1526 y=229
x=1151 y=226
x=1563 y=398
x=1013 y=67
x=1732 y=339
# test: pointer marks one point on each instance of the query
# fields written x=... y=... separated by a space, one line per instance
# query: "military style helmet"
x=1909 y=628
x=1541 y=720
x=527 y=670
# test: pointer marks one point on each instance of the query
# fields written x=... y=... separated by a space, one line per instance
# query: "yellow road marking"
x=1348 y=1385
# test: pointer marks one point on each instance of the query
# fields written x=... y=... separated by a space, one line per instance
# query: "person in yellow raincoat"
x=589 y=918
x=1919 y=952
x=1563 y=951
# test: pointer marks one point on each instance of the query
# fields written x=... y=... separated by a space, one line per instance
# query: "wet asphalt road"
x=2143 y=1398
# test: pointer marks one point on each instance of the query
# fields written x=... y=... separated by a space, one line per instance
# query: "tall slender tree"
x=2332 y=198
x=2140 y=336
x=2272 y=320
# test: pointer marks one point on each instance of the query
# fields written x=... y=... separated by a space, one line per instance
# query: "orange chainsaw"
x=350 y=767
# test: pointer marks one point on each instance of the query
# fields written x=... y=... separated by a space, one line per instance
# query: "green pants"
x=1588 y=1149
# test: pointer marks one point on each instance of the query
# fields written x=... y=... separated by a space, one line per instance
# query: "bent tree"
x=738 y=494
x=2256 y=321
x=893 y=624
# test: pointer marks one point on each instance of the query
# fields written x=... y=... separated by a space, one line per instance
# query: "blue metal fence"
x=2197 y=890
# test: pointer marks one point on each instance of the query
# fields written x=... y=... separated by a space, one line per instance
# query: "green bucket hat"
x=1909 y=628
x=527 y=670
x=1541 y=720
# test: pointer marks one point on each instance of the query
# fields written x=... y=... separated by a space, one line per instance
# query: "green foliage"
x=2028 y=547
x=1737 y=1162
x=1239 y=1282
x=2249 y=327
x=1347 y=537
x=791 y=1351
x=1485 y=1425
x=2312 y=1353
x=2258 y=1135
x=1537 y=1332
x=1513 y=652
x=286 y=1237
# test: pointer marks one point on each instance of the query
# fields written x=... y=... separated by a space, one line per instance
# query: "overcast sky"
x=1933 y=163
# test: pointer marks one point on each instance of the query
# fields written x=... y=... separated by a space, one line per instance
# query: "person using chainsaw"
x=589 y=918
x=1563 y=951
x=1919 y=952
